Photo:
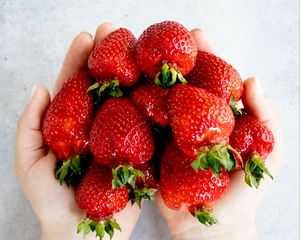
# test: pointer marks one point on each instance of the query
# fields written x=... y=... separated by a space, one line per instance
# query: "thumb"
x=29 y=141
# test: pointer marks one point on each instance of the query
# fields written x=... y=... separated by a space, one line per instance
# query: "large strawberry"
x=121 y=135
x=201 y=124
x=112 y=62
x=254 y=142
x=152 y=100
x=217 y=76
x=95 y=196
x=166 y=51
x=67 y=122
x=184 y=189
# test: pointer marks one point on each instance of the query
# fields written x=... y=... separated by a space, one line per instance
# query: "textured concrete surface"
x=258 y=37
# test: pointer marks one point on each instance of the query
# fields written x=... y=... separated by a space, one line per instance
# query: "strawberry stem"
x=254 y=169
x=205 y=217
x=68 y=170
x=216 y=157
x=168 y=76
x=99 y=227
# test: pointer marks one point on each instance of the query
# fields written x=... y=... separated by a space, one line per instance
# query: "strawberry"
x=95 y=196
x=151 y=100
x=184 y=189
x=166 y=51
x=67 y=122
x=218 y=77
x=201 y=124
x=112 y=62
x=120 y=135
x=253 y=141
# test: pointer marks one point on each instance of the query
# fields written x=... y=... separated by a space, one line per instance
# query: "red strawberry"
x=184 y=189
x=254 y=142
x=95 y=196
x=166 y=48
x=151 y=100
x=67 y=122
x=120 y=135
x=112 y=61
x=217 y=76
x=201 y=124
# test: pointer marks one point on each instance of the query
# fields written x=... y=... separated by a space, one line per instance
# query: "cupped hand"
x=54 y=204
x=236 y=211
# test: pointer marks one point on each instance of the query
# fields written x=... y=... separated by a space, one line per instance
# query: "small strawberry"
x=201 y=124
x=253 y=141
x=184 y=189
x=95 y=196
x=121 y=135
x=112 y=63
x=166 y=51
x=152 y=100
x=217 y=76
x=67 y=122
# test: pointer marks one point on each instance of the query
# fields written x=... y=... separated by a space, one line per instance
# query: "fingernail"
x=87 y=33
x=33 y=90
x=259 y=87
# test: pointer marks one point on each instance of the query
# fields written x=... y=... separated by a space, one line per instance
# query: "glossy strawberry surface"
x=198 y=118
x=95 y=196
x=217 y=76
x=182 y=188
x=166 y=42
x=151 y=100
x=251 y=137
x=113 y=59
x=120 y=134
x=68 y=118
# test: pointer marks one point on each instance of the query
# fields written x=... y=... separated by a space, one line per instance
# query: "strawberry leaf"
x=205 y=217
x=255 y=169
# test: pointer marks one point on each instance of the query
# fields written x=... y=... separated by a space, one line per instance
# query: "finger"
x=203 y=44
x=103 y=30
x=75 y=59
x=29 y=141
x=255 y=101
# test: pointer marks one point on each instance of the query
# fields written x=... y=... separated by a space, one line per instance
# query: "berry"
x=166 y=49
x=254 y=142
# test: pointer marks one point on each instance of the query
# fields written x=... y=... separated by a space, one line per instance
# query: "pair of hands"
x=55 y=205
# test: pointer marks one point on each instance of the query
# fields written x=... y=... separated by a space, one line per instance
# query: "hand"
x=55 y=205
x=236 y=211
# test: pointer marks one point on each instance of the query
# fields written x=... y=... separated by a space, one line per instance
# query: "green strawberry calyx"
x=124 y=174
x=205 y=216
x=108 y=89
x=99 y=227
x=237 y=112
x=216 y=157
x=68 y=170
x=168 y=76
x=137 y=195
x=254 y=170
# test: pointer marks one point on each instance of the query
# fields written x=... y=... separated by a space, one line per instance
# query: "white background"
x=258 y=37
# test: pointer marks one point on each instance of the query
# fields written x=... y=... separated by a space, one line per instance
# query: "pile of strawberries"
x=148 y=115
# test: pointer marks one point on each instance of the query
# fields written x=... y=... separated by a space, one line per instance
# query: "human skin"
x=55 y=205
x=236 y=211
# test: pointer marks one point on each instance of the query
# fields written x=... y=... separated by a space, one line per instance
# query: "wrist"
x=246 y=231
